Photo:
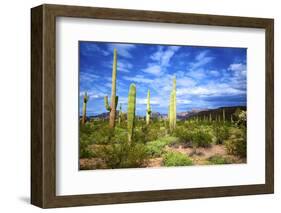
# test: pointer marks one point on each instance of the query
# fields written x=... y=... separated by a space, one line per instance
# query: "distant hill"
x=194 y=113
x=215 y=113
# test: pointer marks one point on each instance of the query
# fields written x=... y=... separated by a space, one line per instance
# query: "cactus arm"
x=131 y=111
x=108 y=108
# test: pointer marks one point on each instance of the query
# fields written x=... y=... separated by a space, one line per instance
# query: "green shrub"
x=176 y=159
x=221 y=133
x=84 y=151
x=184 y=135
x=201 y=138
x=124 y=155
x=218 y=159
x=156 y=148
x=237 y=143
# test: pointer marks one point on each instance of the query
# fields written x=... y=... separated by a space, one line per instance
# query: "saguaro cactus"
x=173 y=107
x=120 y=114
x=210 y=117
x=84 y=110
x=131 y=111
x=114 y=98
x=223 y=115
x=148 y=109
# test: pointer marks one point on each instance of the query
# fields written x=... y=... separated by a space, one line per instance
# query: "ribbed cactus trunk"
x=175 y=101
x=171 y=112
x=120 y=114
x=131 y=112
x=114 y=98
x=173 y=107
x=84 y=110
x=148 y=109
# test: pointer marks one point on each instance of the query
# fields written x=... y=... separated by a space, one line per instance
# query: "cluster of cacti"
x=148 y=109
x=114 y=98
x=173 y=107
x=84 y=110
x=131 y=111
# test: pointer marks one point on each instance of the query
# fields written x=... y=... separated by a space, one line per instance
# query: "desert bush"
x=218 y=159
x=176 y=159
x=184 y=135
x=124 y=155
x=194 y=138
x=237 y=143
x=156 y=148
x=221 y=133
x=201 y=138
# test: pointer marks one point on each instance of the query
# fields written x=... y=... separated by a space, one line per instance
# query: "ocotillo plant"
x=84 y=110
x=114 y=98
x=131 y=111
x=148 y=109
x=173 y=107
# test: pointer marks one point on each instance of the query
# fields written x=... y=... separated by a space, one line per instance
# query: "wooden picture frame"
x=43 y=105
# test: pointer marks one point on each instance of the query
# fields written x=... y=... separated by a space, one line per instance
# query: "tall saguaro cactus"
x=120 y=114
x=84 y=110
x=114 y=98
x=223 y=115
x=148 y=109
x=173 y=107
x=131 y=111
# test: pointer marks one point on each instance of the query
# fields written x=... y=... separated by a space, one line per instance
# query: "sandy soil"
x=200 y=157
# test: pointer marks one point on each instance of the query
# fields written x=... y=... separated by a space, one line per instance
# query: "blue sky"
x=207 y=77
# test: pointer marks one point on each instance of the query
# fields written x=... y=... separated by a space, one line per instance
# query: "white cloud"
x=122 y=49
x=143 y=101
x=163 y=56
x=211 y=89
x=153 y=69
x=161 y=59
x=138 y=79
x=183 y=101
x=200 y=60
x=92 y=94
x=87 y=77
x=238 y=69
x=124 y=66
x=196 y=74
x=214 y=73
x=89 y=49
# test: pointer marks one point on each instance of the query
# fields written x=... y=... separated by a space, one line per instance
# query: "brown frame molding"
x=43 y=105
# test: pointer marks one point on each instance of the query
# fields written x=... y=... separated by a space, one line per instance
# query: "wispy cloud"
x=91 y=48
x=201 y=59
x=238 y=69
x=160 y=60
x=138 y=79
x=123 y=50
x=153 y=69
x=87 y=77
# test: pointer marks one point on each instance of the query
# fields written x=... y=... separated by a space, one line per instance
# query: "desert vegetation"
x=125 y=140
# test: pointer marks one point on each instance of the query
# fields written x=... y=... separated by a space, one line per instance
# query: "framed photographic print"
x=137 y=106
